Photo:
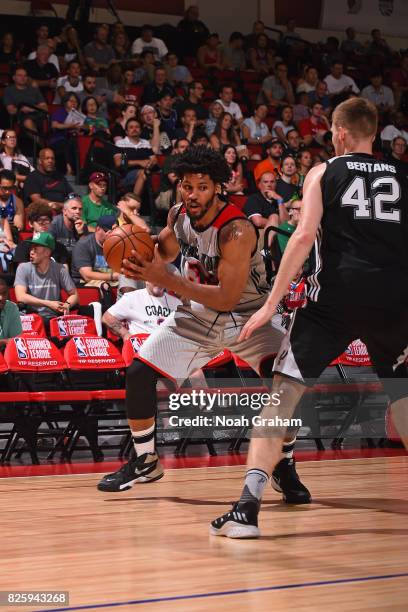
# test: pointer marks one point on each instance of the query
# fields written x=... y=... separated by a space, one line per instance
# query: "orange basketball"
x=122 y=241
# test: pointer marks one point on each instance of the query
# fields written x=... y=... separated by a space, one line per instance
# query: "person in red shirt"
x=314 y=127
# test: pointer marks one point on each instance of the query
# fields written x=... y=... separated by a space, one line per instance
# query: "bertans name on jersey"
x=370 y=167
x=229 y=421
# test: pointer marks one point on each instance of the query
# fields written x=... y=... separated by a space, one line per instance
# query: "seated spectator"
x=93 y=122
x=121 y=46
x=134 y=153
x=193 y=32
x=254 y=130
x=53 y=59
x=379 y=94
x=209 y=55
x=12 y=159
x=258 y=27
x=39 y=282
x=284 y=124
x=399 y=83
x=141 y=311
x=225 y=133
x=153 y=131
x=11 y=206
x=167 y=115
x=339 y=83
x=301 y=110
x=234 y=55
x=398 y=150
x=39 y=217
x=261 y=56
x=103 y=97
x=89 y=266
x=68 y=47
x=351 y=46
x=7 y=244
x=331 y=54
x=398 y=126
x=95 y=205
x=42 y=35
x=61 y=138
x=71 y=82
x=9 y=54
x=327 y=151
x=304 y=163
x=154 y=90
x=215 y=112
x=10 y=322
x=314 y=127
x=189 y=124
x=168 y=180
x=378 y=46
x=146 y=42
x=272 y=163
x=285 y=186
x=144 y=72
x=200 y=139
x=227 y=102
x=42 y=72
x=129 y=206
x=321 y=95
x=194 y=100
x=295 y=143
x=46 y=183
x=24 y=102
x=128 y=89
x=277 y=90
x=294 y=212
x=127 y=111
x=309 y=81
x=69 y=226
x=176 y=74
x=291 y=38
x=235 y=184
x=98 y=53
x=263 y=206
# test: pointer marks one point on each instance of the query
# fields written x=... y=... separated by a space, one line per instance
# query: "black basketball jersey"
x=361 y=247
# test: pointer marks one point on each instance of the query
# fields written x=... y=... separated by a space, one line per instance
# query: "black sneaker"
x=240 y=522
x=146 y=468
x=285 y=480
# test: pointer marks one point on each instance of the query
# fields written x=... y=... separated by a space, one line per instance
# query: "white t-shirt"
x=285 y=128
x=144 y=312
x=64 y=82
x=126 y=143
x=156 y=46
x=233 y=109
x=337 y=85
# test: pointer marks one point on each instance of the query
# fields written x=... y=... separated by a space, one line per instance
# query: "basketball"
x=122 y=241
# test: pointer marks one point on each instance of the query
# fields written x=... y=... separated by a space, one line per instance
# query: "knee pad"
x=141 y=401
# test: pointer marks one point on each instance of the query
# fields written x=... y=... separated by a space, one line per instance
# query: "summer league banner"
x=390 y=16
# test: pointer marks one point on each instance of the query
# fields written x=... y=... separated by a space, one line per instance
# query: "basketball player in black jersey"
x=355 y=211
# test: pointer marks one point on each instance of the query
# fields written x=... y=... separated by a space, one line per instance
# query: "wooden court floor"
x=149 y=548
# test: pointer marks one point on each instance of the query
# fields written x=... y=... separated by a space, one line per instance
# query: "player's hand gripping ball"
x=122 y=241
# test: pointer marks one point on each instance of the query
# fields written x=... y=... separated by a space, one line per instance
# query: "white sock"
x=143 y=441
x=287 y=448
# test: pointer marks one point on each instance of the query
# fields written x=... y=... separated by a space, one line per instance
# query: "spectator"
x=12 y=159
x=146 y=42
x=193 y=32
x=305 y=162
x=144 y=73
x=277 y=90
x=309 y=81
x=135 y=153
x=168 y=180
x=121 y=46
x=209 y=55
x=129 y=90
x=398 y=151
x=314 y=127
x=167 y=115
x=53 y=59
x=301 y=109
x=39 y=216
x=262 y=207
x=399 y=83
x=284 y=185
x=284 y=124
x=95 y=205
x=398 y=126
x=42 y=35
x=215 y=113
x=129 y=206
x=69 y=226
x=152 y=130
x=10 y=322
x=224 y=134
x=228 y=104
x=7 y=244
x=261 y=57
x=153 y=91
x=9 y=54
x=272 y=163
x=103 y=96
x=378 y=46
x=379 y=94
x=42 y=72
x=99 y=54
x=127 y=111
x=61 y=140
x=140 y=311
x=234 y=54
x=46 y=183
x=351 y=46
x=68 y=47
x=294 y=143
x=194 y=100
x=11 y=206
x=339 y=83
x=39 y=282
x=327 y=151
x=93 y=122
x=332 y=53
x=89 y=266
x=200 y=139
x=189 y=123
x=258 y=27
x=291 y=38
x=321 y=95
x=176 y=74
x=235 y=184
x=254 y=130
x=294 y=212
x=24 y=102
x=71 y=82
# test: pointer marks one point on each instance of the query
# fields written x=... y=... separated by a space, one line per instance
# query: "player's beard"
x=196 y=217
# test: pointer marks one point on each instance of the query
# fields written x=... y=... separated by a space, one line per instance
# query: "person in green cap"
x=294 y=211
x=39 y=282
x=10 y=322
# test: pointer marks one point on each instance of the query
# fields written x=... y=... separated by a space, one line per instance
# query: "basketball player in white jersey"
x=222 y=284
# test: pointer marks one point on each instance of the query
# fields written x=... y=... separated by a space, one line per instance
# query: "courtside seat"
x=32 y=325
x=131 y=347
x=65 y=327
x=86 y=295
x=33 y=355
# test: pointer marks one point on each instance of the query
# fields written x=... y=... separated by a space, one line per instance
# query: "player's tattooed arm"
x=167 y=241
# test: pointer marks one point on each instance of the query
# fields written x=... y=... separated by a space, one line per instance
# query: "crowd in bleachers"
x=106 y=115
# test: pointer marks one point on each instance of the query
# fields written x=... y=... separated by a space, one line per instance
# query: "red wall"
x=305 y=12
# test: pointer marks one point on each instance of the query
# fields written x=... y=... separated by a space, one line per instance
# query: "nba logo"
x=136 y=343
x=62 y=327
x=21 y=347
x=80 y=347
